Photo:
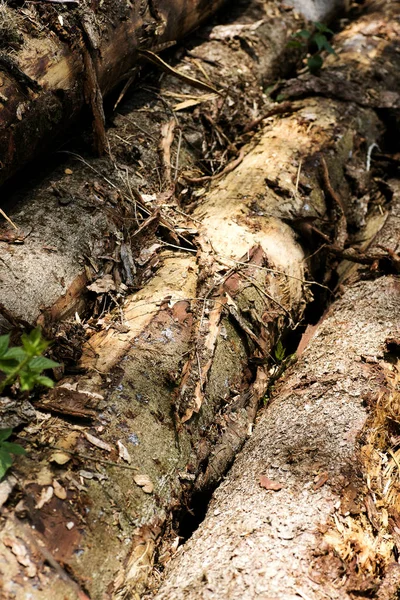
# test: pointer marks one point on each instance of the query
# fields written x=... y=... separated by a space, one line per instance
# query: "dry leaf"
x=144 y=482
x=323 y=478
x=59 y=491
x=60 y=458
x=268 y=484
x=103 y=285
x=97 y=442
x=123 y=452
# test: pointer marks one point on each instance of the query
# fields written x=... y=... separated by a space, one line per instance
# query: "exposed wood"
x=173 y=375
x=67 y=57
x=327 y=457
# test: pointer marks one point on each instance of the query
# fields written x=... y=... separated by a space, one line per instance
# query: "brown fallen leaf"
x=97 y=442
x=268 y=484
x=60 y=458
x=59 y=491
x=103 y=285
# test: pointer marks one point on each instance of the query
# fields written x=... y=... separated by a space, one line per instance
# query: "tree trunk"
x=310 y=508
x=331 y=469
x=57 y=59
x=68 y=214
x=194 y=343
x=173 y=376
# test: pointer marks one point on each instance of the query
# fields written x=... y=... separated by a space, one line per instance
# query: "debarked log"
x=173 y=377
x=310 y=508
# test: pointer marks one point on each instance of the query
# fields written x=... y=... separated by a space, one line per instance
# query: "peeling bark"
x=217 y=313
x=173 y=376
x=65 y=57
x=313 y=537
x=44 y=269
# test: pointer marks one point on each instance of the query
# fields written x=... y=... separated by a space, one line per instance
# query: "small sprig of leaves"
x=315 y=42
x=24 y=364
x=279 y=352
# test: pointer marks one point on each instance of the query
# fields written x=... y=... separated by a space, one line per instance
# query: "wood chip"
x=45 y=496
x=322 y=479
x=123 y=452
x=59 y=491
x=144 y=482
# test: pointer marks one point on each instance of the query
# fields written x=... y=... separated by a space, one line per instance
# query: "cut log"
x=307 y=502
x=310 y=508
x=63 y=58
x=174 y=375
x=194 y=343
x=44 y=270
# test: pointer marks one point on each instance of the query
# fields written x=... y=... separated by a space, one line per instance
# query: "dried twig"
x=279 y=109
x=229 y=167
x=8 y=219
x=156 y=60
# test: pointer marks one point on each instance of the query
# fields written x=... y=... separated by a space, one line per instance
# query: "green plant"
x=279 y=352
x=24 y=364
x=315 y=42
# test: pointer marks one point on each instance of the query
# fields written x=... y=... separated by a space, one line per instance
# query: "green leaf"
x=280 y=97
x=33 y=343
x=4 y=341
x=304 y=33
x=41 y=363
x=319 y=39
x=322 y=28
x=5 y=434
x=328 y=47
x=27 y=380
x=13 y=448
x=314 y=63
x=35 y=336
x=322 y=43
x=294 y=44
x=43 y=380
x=14 y=353
x=279 y=351
x=5 y=462
x=8 y=366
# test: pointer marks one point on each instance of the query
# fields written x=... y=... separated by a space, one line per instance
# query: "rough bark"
x=329 y=528
x=67 y=216
x=143 y=370
x=56 y=59
x=310 y=507
x=174 y=374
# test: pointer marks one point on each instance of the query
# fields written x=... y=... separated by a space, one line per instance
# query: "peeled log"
x=300 y=539
x=179 y=383
x=64 y=215
x=66 y=58
x=181 y=370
